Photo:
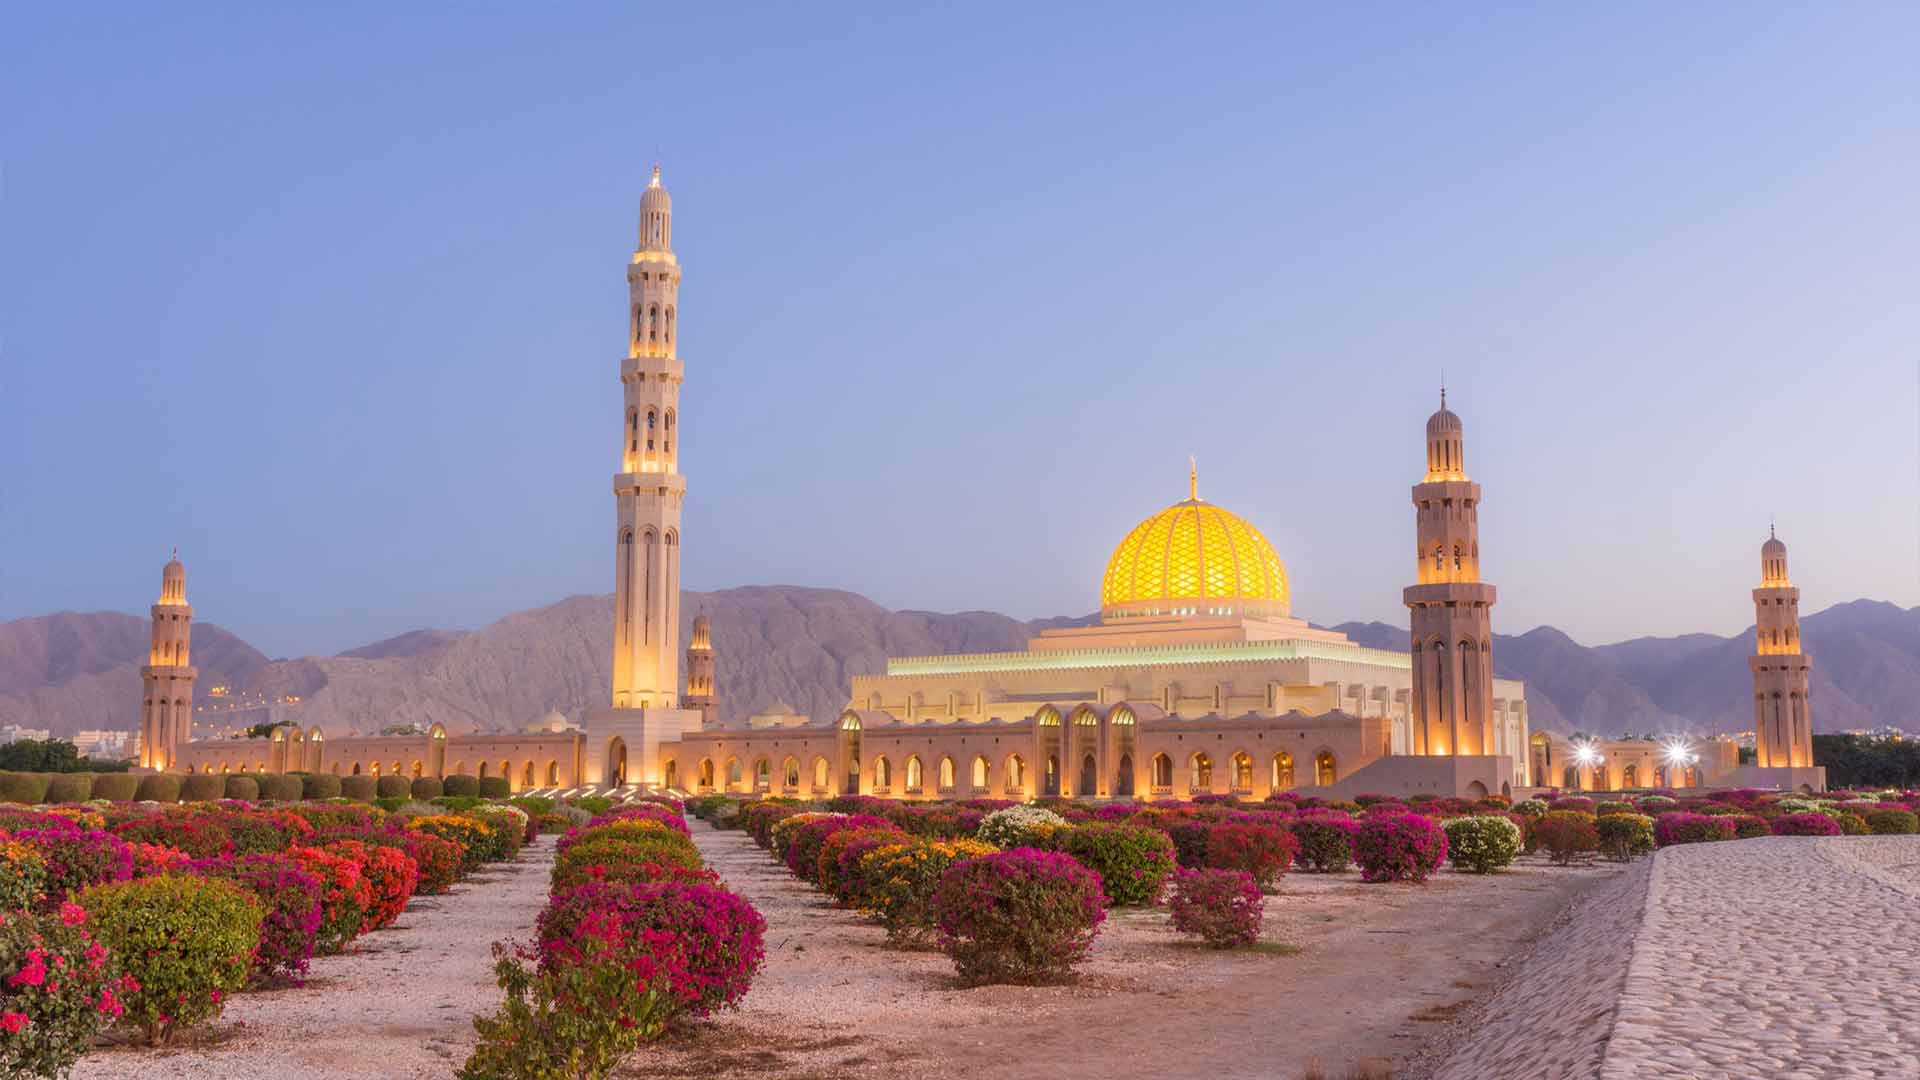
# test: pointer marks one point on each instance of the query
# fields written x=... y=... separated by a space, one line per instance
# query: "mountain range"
x=799 y=647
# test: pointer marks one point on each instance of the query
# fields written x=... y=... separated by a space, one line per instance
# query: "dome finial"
x=1193 y=477
x=655 y=182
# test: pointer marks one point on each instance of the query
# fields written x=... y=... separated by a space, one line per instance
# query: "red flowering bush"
x=291 y=900
x=837 y=871
x=187 y=942
x=1222 y=907
x=717 y=931
x=1265 y=851
x=1566 y=835
x=1133 y=861
x=646 y=811
x=78 y=859
x=1686 y=828
x=802 y=853
x=1326 y=841
x=1806 y=824
x=345 y=899
x=58 y=989
x=196 y=834
x=150 y=860
x=1399 y=847
x=262 y=832
x=1018 y=916
x=389 y=873
x=620 y=857
x=436 y=858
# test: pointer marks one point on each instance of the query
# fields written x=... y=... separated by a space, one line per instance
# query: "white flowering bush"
x=1018 y=826
x=1481 y=844
x=1804 y=806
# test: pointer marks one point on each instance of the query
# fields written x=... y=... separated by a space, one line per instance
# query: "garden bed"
x=1349 y=973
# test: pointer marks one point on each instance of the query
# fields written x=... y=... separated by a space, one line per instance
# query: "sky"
x=332 y=298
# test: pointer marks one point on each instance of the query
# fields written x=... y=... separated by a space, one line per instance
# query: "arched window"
x=1162 y=771
x=762 y=775
x=1016 y=773
x=1324 y=772
x=1282 y=771
x=376 y=768
x=913 y=772
x=822 y=773
x=790 y=773
x=526 y=775
x=419 y=769
x=483 y=770
x=356 y=768
x=1200 y=772
x=946 y=774
x=1438 y=558
x=671 y=774
x=706 y=772
x=1242 y=772
x=1456 y=556
x=1630 y=776
x=882 y=774
x=981 y=770
x=733 y=771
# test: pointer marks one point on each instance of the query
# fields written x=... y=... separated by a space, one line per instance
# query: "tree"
x=51 y=755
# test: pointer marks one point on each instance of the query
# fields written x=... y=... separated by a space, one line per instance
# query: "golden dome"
x=1194 y=558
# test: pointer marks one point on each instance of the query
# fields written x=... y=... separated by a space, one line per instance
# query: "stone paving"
x=1791 y=958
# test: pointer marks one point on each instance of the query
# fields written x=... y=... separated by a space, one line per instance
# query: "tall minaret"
x=700 y=689
x=1452 y=631
x=166 y=710
x=1782 y=719
x=648 y=489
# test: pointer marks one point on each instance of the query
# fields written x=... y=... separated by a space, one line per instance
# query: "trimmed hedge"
x=393 y=787
x=1893 y=822
x=427 y=787
x=244 y=788
x=495 y=787
x=70 y=787
x=202 y=787
x=116 y=787
x=460 y=785
x=320 y=786
x=274 y=787
x=23 y=787
x=158 y=787
x=359 y=788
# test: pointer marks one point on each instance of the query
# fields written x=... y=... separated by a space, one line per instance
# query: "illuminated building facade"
x=166 y=704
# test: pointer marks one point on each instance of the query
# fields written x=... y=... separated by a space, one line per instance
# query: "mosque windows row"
x=657 y=324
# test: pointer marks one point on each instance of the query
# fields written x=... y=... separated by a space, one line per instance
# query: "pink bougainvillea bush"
x=1748 y=826
x=1018 y=916
x=345 y=898
x=77 y=859
x=1806 y=824
x=1326 y=840
x=838 y=871
x=1399 y=847
x=1686 y=828
x=1264 y=851
x=719 y=932
x=1565 y=835
x=58 y=989
x=290 y=899
x=1222 y=907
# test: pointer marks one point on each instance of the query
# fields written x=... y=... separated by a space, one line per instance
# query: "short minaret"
x=166 y=709
x=648 y=490
x=1782 y=718
x=700 y=689
x=1452 y=701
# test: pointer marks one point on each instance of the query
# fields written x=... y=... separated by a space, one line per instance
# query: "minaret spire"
x=1193 y=477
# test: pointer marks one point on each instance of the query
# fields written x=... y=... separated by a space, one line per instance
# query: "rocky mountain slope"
x=800 y=647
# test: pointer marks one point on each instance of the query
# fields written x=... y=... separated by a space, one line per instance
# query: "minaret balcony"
x=649 y=483
x=652 y=367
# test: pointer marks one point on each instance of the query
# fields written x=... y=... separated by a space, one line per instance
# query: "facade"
x=701 y=694
x=1630 y=764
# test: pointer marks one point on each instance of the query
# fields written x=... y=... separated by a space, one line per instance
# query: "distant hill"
x=802 y=646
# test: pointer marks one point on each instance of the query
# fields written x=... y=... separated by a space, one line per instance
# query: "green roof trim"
x=1146 y=655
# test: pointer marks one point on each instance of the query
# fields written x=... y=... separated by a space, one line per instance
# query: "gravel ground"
x=400 y=1005
x=1350 y=974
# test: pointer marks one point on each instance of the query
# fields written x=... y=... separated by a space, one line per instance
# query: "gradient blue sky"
x=332 y=298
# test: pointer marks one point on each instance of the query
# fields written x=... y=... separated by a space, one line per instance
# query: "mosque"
x=1196 y=679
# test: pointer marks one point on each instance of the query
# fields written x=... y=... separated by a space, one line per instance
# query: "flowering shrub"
x=1326 y=841
x=1566 y=835
x=1852 y=824
x=78 y=859
x=804 y=843
x=474 y=838
x=1398 y=847
x=1018 y=916
x=780 y=833
x=1892 y=822
x=196 y=834
x=1806 y=824
x=838 y=873
x=1223 y=907
x=23 y=876
x=1018 y=825
x=150 y=860
x=261 y=832
x=1653 y=803
x=579 y=1020
x=1624 y=836
x=291 y=905
x=390 y=875
x=625 y=857
x=1265 y=851
x=1685 y=828
x=1748 y=826
x=1532 y=808
x=718 y=932
x=1133 y=861
x=643 y=812
x=60 y=989
x=1483 y=843
x=1572 y=802
x=187 y=942
x=900 y=879
x=1189 y=840
x=510 y=826
x=346 y=896
x=1802 y=806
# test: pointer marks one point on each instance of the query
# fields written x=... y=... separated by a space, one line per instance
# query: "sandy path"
x=401 y=1005
x=1378 y=970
